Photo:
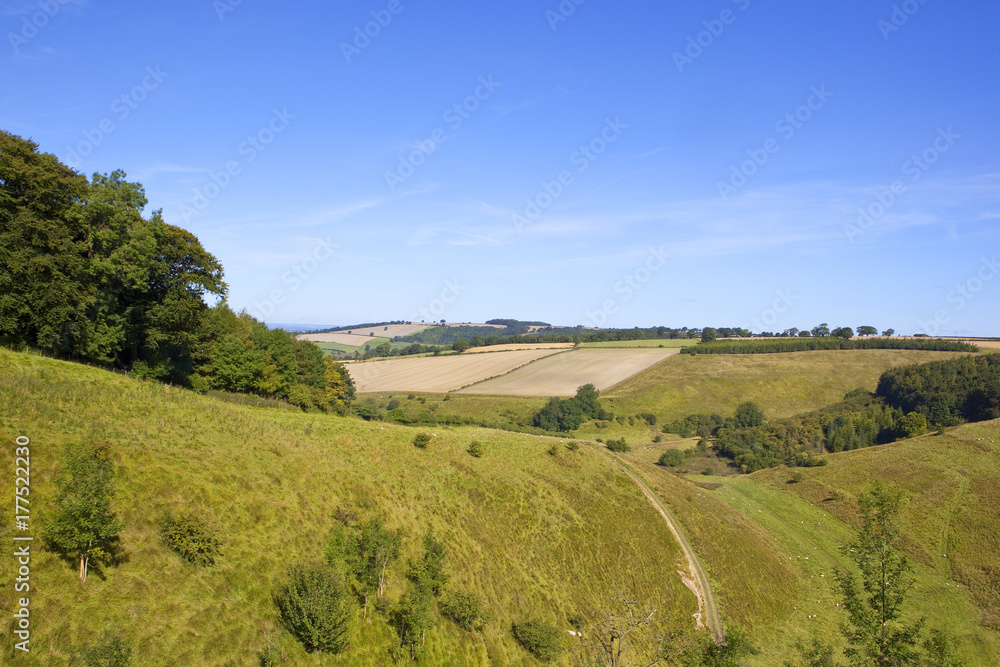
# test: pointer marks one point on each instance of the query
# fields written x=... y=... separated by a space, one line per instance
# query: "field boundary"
x=513 y=370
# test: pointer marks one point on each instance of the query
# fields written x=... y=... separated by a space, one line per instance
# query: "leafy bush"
x=466 y=609
x=315 y=607
x=618 y=445
x=671 y=458
x=190 y=537
x=476 y=449
x=542 y=639
x=573 y=445
x=553 y=450
x=422 y=440
x=112 y=651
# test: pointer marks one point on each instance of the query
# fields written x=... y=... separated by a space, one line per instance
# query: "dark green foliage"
x=803 y=344
x=729 y=653
x=708 y=334
x=476 y=449
x=946 y=392
x=875 y=632
x=190 y=537
x=671 y=458
x=429 y=570
x=422 y=440
x=45 y=290
x=413 y=618
x=868 y=331
x=553 y=450
x=843 y=332
x=568 y=414
x=111 y=651
x=466 y=609
x=573 y=446
x=748 y=415
x=376 y=548
x=618 y=445
x=83 y=526
x=540 y=638
x=316 y=608
x=940 y=651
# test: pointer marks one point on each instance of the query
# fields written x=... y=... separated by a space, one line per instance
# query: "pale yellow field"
x=438 y=374
x=358 y=336
x=562 y=374
x=507 y=347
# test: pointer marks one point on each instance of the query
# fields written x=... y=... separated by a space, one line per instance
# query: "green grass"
x=529 y=532
x=652 y=342
x=783 y=384
x=770 y=546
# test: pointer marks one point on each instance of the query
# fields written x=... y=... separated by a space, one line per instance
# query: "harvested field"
x=438 y=374
x=562 y=374
x=508 y=347
x=355 y=335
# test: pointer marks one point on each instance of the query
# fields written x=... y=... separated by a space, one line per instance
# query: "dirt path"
x=695 y=579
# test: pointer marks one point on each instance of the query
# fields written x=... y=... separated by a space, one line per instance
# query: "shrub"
x=190 y=537
x=476 y=449
x=658 y=438
x=541 y=639
x=671 y=458
x=618 y=445
x=112 y=651
x=422 y=440
x=553 y=450
x=466 y=609
x=315 y=607
x=573 y=445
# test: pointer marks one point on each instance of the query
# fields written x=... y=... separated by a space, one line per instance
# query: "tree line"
x=909 y=401
x=86 y=275
x=780 y=345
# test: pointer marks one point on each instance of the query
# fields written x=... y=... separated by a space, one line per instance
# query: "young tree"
x=377 y=549
x=314 y=606
x=84 y=527
x=875 y=631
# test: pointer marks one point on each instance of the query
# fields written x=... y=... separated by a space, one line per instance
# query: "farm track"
x=708 y=612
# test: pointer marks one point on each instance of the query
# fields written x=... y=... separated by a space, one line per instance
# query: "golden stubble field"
x=438 y=374
x=562 y=374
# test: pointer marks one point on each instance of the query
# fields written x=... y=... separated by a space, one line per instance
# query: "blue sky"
x=724 y=163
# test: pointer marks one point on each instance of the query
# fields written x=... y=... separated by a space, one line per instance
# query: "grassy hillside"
x=783 y=384
x=950 y=523
x=530 y=532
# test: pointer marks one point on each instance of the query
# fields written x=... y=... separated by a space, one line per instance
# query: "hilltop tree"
x=84 y=527
x=875 y=631
x=843 y=332
x=867 y=331
x=889 y=332
x=821 y=330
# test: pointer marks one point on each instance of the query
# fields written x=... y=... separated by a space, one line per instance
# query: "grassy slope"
x=651 y=342
x=783 y=384
x=528 y=531
x=953 y=509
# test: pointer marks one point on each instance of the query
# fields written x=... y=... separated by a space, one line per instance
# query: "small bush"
x=618 y=445
x=476 y=449
x=658 y=438
x=671 y=458
x=553 y=450
x=466 y=609
x=315 y=607
x=190 y=537
x=541 y=639
x=422 y=440
x=573 y=445
x=112 y=651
